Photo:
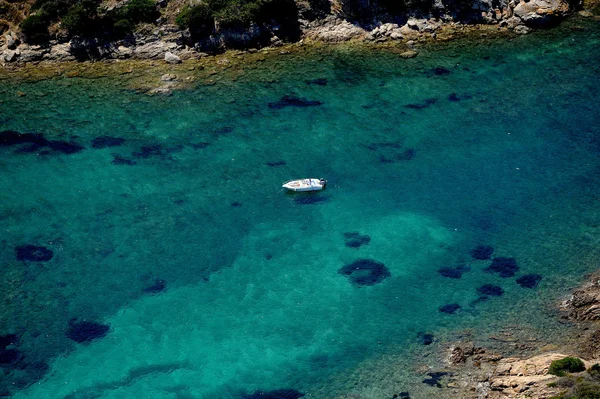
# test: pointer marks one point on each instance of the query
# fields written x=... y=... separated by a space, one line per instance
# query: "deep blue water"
x=216 y=284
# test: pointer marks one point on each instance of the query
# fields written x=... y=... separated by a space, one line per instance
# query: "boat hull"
x=304 y=185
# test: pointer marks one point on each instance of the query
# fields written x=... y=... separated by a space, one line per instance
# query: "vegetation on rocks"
x=586 y=386
x=85 y=18
x=231 y=14
x=566 y=365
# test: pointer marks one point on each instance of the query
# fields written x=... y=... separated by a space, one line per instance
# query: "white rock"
x=10 y=56
x=171 y=58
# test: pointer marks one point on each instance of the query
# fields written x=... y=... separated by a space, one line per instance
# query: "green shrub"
x=568 y=364
x=137 y=11
x=82 y=18
x=53 y=9
x=35 y=29
x=594 y=371
x=199 y=19
x=587 y=390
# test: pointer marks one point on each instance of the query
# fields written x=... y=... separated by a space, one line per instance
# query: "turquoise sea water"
x=493 y=144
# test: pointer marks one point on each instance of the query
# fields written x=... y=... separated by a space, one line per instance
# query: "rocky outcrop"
x=541 y=13
x=584 y=304
x=345 y=20
x=334 y=30
x=171 y=58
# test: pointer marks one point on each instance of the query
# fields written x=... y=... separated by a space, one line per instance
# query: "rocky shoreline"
x=471 y=371
x=170 y=44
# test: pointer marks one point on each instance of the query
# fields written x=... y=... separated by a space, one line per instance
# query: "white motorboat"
x=305 y=184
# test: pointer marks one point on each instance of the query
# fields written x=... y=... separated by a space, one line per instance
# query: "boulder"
x=10 y=56
x=584 y=304
x=123 y=52
x=409 y=54
x=12 y=41
x=168 y=77
x=171 y=58
x=541 y=13
x=59 y=52
x=337 y=32
x=150 y=51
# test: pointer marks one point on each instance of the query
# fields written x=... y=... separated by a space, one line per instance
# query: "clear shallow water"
x=253 y=298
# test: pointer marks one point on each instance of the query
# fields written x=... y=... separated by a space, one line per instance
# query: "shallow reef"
x=504 y=267
x=490 y=290
x=36 y=142
x=365 y=272
x=317 y=82
x=158 y=286
x=33 y=253
x=482 y=252
x=529 y=280
x=454 y=272
x=434 y=378
x=449 y=308
x=292 y=101
x=275 y=164
x=86 y=331
x=425 y=104
x=355 y=240
x=425 y=338
x=107 y=141
x=120 y=160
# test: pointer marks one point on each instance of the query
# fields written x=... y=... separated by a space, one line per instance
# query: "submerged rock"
x=425 y=104
x=36 y=141
x=8 y=339
x=291 y=101
x=490 y=290
x=435 y=378
x=529 y=280
x=33 y=253
x=365 y=272
x=276 y=164
x=425 y=338
x=437 y=71
x=120 y=160
x=482 y=252
x=318 y=82
x=158 y=286
x=449 y=308
x=276 y=394
x=454 y=272
x=355 y=240
x=107 y=141
x=86 y=331
x=505 y=267
x=10 y=356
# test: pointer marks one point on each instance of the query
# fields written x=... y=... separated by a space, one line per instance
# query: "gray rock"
x=12 y=41
x=31 y=53
x=150 y=51
x=171 y=58
x=522 y=30
x=409 y=54
x=10 y=56
x=511 y=23
x=168 y=77
x=59 y=52
x=162 y=91
x=541 y=13
x=123 y=52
